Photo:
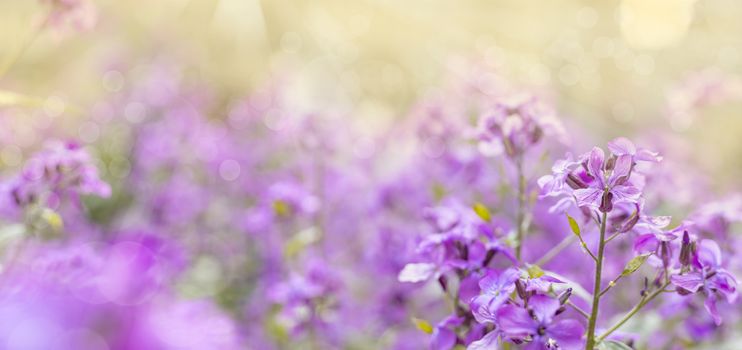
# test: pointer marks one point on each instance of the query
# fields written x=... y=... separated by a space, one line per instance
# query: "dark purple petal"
x=725 y=284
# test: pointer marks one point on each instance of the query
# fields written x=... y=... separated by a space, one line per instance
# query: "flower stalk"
x=644 y=301
x=520 y=219
x=590 y=344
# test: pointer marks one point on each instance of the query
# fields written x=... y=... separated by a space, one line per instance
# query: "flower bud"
x=565 y=296
x=536 y=134
x=610 y=163
x=644 y=291
x=631 y=222
x=443 y=281
x=575 y=182
x=521 y=289
x=606 y=203
x=587 y=170
x=686 y=250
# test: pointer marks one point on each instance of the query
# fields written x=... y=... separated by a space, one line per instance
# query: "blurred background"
x=184 y=107
x=611 y=65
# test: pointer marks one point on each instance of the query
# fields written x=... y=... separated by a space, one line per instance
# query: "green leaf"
x=534 y=271
x=300 y=241
x=439 y=192
x=573 y=224
x=281 y=208
x=613 y=345
x=423 y=325
x=482 y=212
x=53 y=219
x=634 y=264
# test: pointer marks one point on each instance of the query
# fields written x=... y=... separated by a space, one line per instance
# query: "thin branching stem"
x=644 y=301
x=590 y=345
x=520 y=220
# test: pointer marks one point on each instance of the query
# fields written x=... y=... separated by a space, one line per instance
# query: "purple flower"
x=496 y=289
x=653 y=234
x=512 y=127
x=536 y=325
x=444 y=337
x=460 y=241
x=708 y=278
x=622 y=146
x=53 y=178
x=556 y=183
x=595 y=181
x=602 y=193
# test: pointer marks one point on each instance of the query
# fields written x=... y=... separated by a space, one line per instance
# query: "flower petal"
x=648 y=156
x=690 y=281
x=710 y=305
x=622 y=146
x=621 y=170
x=589 y=197
x=625 y=193
x=515 y=322
x=646 y=243
x=567 y=333
x=595 y=165
x=442 y=339
x=488 y=342
x=543 y=307
x=416 y=272
x=709 y=253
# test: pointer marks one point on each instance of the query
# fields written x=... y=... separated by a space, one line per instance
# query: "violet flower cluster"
x=499 y=299
x=192 y=220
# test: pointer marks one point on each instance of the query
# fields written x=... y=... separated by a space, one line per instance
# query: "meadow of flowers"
x=173 y=213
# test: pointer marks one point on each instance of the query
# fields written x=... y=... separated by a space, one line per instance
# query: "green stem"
x=590 y=345
x=521 y=208
x=644 y=301
x=16 y=55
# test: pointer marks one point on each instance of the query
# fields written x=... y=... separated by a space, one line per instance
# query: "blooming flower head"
x=461 y=240
x=60 y=171
x=596 y=181
x=512 y=127
x=444 y=337
x=708 y=278
x=496 y=289
x=302 y=295
x=536 y=325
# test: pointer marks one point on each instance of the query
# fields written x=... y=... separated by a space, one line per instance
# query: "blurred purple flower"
x=537 y=326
